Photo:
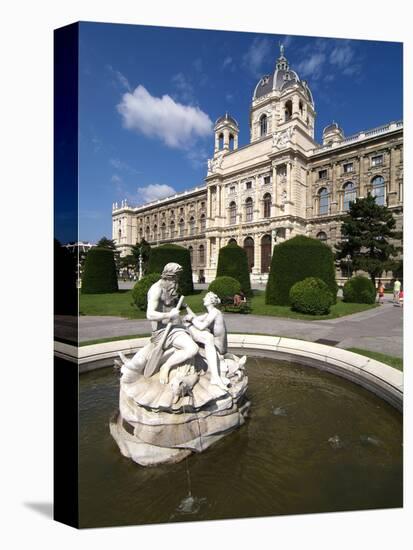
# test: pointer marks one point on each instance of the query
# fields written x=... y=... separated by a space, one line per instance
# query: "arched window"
x=181 y=227
x=221 y=141
x=263 y=125
x=147 y=233
x=249 y=210
x=192 y=225
x=163 y=231
x=267 y=205
x=140 y=233
x=172 y=233
x=301 y=107
x=232 y=241
x=201 y=254
x=323 y=201
x=265 y=253
x=231 y=142
x=379 y=190
x=155 y=231
x=203 y=223
x=119 y=234
x=288 y=110
x=232 y=213
x=249 y=249
x=191 y=254
x=349 y=194
x=321 y=236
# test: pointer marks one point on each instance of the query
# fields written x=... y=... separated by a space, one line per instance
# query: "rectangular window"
x=232 y=190
x=377 y=160
x=248 y=185
x=348 y=167
x=322 y=174
x=267 y=180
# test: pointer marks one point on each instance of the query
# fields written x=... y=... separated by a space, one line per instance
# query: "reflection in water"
x=314 y=443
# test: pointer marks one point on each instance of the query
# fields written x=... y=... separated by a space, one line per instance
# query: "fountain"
x=183 y=391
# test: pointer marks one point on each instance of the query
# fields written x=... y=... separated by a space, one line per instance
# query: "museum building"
x=281 y=184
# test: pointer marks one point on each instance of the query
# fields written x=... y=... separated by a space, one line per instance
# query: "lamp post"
x=348 y=260
x=140 y=266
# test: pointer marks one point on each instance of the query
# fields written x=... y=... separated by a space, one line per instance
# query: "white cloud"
x=312 y=66
x=116 y=179
x=175 y=124
x=154 y=191
x=254 y=58
x=342 y=56
x=119 y=78
x=184 y=87
x=123 y=166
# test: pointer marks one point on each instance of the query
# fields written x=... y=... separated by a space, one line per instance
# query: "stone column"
x=236 y=141
x=216 y=142
x=226 y=139
x=257 y=214
x=274 y=200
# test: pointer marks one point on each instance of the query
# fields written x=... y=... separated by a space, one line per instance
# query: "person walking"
x=396 y=290
x=380 y=291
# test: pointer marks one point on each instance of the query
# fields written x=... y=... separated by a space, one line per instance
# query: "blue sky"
x=149 y=96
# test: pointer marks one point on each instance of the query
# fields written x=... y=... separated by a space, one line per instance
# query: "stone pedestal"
x=164 y=423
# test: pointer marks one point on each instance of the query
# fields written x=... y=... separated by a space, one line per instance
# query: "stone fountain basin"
x=383 y=380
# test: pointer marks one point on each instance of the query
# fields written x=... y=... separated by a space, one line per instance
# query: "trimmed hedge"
x=166 y=253
x=99 y=275
x=294 y=260
x=311 y=296
x=225 y=287
x=233 y=262
x=359 y=290
x=140 y=290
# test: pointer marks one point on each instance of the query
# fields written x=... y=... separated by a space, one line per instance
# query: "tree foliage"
x=166 y=253
x=99 y=275
x=233 y=262
x=366 y=234
x=141 y=288
x=141 y=248
x=311 y=296
x=225 y=287
x=359 y=290
x=104 y=242
x=294 y=260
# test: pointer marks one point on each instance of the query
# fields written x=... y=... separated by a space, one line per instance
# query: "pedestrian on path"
x=396 y=290
x=380 y=290
x=401 y=298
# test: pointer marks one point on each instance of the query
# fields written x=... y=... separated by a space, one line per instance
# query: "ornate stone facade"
x=281 y=184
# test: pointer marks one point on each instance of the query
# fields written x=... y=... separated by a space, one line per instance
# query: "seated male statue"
x=162 y=299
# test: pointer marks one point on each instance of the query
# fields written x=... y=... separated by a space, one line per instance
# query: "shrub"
x=166 y=253
x=140 y=290
x=359 y=290
x=100 y=272
x=233 y=262
x=294 y=260
x=225 y=287
x=311 y=296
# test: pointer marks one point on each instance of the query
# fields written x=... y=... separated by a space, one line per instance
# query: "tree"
x=143 y=248
x=233 y=262
x=294 y=260
x=104 y=242
x=100 y=272
x=366 y=232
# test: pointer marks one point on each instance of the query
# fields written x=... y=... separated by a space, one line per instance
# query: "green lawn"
x=120 y=304
x=396 y=362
